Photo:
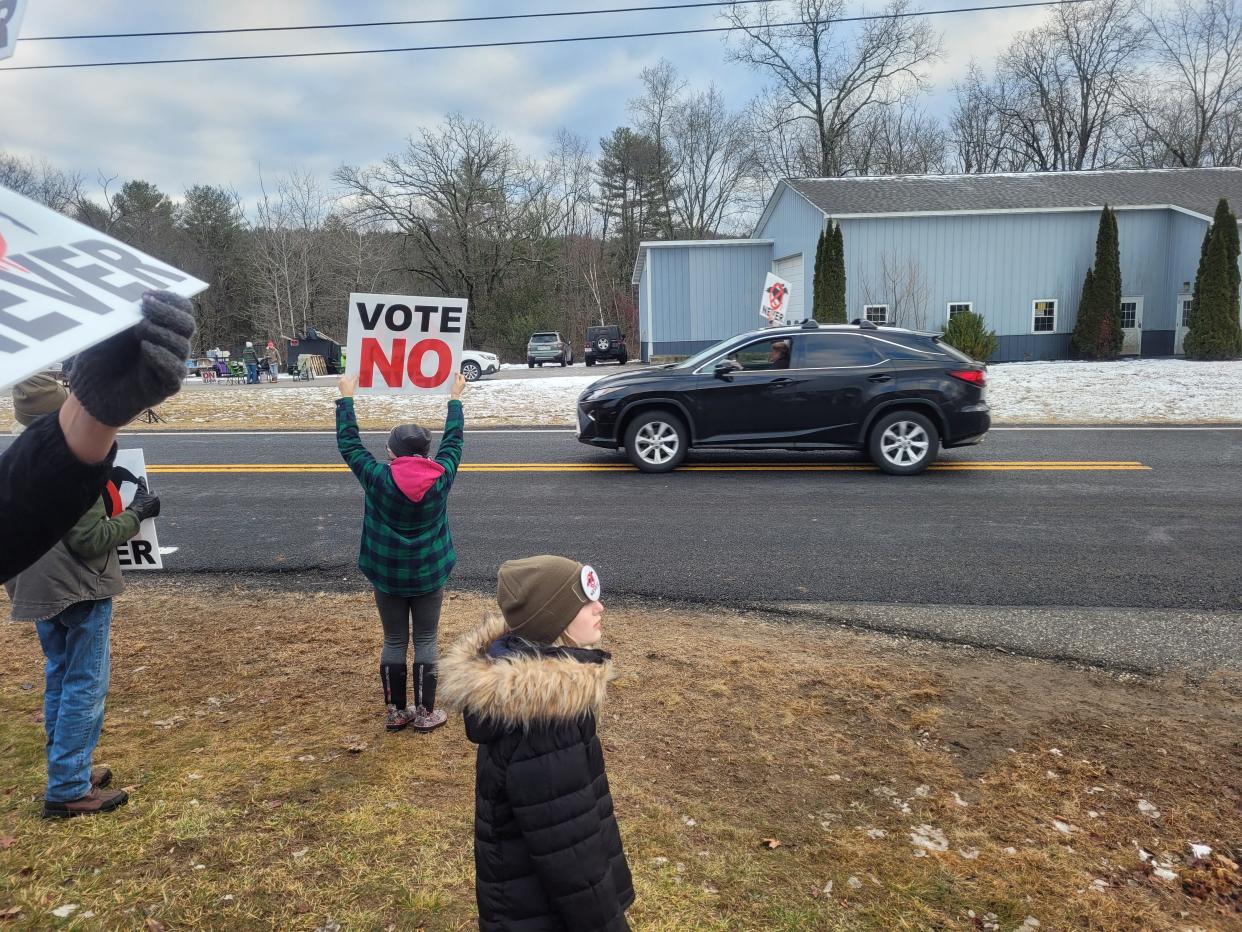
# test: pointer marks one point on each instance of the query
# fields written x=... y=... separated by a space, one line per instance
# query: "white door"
x=1131 y=326
x=791 y=270
x=1183 y=309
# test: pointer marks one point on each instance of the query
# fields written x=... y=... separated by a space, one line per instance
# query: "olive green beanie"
x=38 y=395
x=540 y=596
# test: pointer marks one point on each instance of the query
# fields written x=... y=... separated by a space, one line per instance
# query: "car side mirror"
x=724 y=370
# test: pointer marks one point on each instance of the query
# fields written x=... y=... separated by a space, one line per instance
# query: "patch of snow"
x=1065 y=828
x=1142 y=390
x=64 y=912
x=854 y=883
x=1163 y=873
x=958 y=799
x=1148 y=809
x=1200 y=852
x=929 y=838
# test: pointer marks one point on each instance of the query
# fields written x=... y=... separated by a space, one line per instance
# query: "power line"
x=396 y=22
x=556 y=41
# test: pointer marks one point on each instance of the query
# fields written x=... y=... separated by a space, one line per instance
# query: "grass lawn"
x=767 y=776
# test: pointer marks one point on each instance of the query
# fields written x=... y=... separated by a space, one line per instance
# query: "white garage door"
x=791 y=270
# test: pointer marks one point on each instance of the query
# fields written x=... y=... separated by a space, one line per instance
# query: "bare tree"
x=1186 y=106
x=289 y=251
x=655 y=112
x=904 y=286
x=1059 y=87
x=40 y=181
x=461 y=194
x=978 y=128
x=713 y=160
x=899 y=140
x=830 y=78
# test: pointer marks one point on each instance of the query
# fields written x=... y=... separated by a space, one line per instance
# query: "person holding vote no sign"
x=406 y=552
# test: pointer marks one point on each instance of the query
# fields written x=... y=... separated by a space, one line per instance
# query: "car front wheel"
x=657 y=441
x=562 y=360
x=471 y=371
x=904 y=443
x=530 y=364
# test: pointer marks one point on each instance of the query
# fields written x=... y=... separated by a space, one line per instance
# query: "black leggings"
x=398 y=614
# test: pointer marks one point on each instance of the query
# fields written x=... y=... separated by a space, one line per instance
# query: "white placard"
x=142 y=551
x=64 y=286
x=775 y=300
x=11 y=13
x=403 y=345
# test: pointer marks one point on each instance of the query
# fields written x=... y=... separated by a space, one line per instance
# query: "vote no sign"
x=401 y=345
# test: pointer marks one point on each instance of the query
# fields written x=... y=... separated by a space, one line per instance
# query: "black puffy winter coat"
x=547 y=850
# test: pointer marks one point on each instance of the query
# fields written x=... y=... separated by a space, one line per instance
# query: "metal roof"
x=1194 y=190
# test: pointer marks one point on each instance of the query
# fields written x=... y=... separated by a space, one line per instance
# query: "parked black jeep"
x=604 y=343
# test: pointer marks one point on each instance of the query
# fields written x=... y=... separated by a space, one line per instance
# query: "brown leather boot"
x=93 y=803
x=100 y=777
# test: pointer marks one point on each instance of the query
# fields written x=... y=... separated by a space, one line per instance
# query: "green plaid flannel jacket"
x=406 y=546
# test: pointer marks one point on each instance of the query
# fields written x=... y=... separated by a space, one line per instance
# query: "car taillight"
x=973 y=376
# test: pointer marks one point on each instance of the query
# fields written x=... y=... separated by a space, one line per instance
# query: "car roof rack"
x=810 y=324
x=863 y=324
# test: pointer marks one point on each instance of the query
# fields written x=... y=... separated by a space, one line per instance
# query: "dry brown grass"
x=233 y=713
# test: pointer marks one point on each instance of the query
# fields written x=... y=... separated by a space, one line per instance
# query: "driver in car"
x=778 y=357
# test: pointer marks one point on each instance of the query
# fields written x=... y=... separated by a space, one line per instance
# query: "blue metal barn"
x=1014 y=248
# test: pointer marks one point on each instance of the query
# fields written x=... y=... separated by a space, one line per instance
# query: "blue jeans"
x=252 y=373
x=75 y=643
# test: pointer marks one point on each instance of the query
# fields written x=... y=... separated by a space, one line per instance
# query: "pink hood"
x=415 y=475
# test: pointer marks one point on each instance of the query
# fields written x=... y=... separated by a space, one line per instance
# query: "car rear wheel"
x=562 y=360
x=530 y=363
x=471 y=371
x=904 y=443
x=656 y=441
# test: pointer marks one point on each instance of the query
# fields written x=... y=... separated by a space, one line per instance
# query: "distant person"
x=273 y=361
x=68 y=595
x=53 y=472
x=251 y=360
x=407 y=552
x=547 y=849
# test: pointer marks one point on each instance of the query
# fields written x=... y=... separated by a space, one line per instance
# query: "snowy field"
x=1159 y=391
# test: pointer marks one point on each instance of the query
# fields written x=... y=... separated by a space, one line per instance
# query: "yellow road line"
x=948 y=466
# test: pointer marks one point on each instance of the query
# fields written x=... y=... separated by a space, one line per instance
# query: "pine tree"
x=1097 y=332
x=968 y=332
x=1214 y=331
x=836 y=277
x=823 y=248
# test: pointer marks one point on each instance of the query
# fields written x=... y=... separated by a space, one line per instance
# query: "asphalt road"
x=1145 y=520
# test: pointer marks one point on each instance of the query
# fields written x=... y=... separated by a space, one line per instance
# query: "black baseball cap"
x=409 y=440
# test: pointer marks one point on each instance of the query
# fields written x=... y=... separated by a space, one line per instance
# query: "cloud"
x=219 y=123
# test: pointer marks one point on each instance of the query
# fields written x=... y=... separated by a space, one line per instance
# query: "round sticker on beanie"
x=590 y=583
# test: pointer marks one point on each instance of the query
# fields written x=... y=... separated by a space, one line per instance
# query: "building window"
x=1129 y=314
x=1045 y=320
x=876 y=313
x=961 y=307
x=1183 y=310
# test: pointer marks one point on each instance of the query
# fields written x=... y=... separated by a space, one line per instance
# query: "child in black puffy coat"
x=547 y=850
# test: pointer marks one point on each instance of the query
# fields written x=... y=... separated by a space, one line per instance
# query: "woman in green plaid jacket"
x=406 y=552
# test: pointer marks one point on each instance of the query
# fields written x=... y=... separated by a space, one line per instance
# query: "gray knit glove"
x=118 y=379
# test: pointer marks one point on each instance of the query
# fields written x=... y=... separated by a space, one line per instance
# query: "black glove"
x=138 y=368
x=146 y=504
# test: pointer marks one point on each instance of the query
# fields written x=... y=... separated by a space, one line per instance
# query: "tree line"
x=550 y=241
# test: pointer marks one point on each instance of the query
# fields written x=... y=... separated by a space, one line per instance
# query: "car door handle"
x=879 y=378
x=783 y=380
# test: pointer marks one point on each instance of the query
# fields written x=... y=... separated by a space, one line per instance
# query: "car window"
x=833 y=351
x=762 y=356
x=924 y=350
x=545 y=338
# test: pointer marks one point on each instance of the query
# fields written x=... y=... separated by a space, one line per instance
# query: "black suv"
x=896 y=394
x=604 y=343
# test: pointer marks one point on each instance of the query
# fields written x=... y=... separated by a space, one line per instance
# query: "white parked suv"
x=475 y=365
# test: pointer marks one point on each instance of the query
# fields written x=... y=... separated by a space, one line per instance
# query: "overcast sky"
x=220 y=123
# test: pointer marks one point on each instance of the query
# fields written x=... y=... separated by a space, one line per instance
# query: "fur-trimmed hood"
x=520 y=688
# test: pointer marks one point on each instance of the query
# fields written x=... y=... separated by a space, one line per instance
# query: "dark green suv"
x=604 y=343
